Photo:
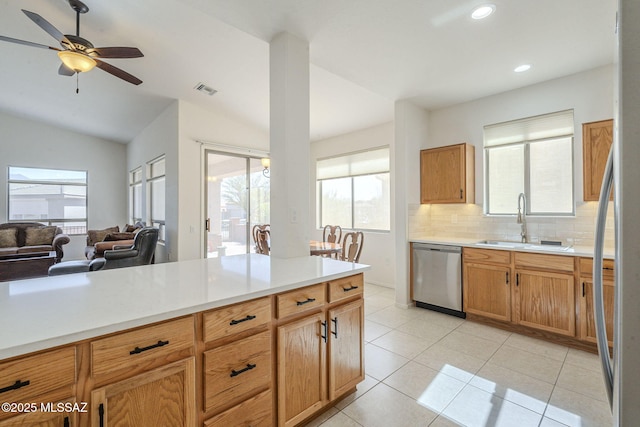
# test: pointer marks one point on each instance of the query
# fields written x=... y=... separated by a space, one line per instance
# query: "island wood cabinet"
x=447 y=174
x=544 y=292
x=487 y=283
x=23 y=381
x=597 y=138
x=320 y=347
x=587 y=328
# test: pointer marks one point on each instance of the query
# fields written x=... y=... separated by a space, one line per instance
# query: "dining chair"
x=352 y=246
x=263 y=240
x=254 y=233
x=332 y=234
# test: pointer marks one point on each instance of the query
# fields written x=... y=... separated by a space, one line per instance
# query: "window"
x=533 y=156
x=135 y=195
x=354 y=190
x=156 y=186
x=50 y=196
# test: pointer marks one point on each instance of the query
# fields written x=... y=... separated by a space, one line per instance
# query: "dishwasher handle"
x=437 y=248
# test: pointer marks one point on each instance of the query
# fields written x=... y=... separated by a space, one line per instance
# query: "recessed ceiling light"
x=522 y=68
x=483 y=11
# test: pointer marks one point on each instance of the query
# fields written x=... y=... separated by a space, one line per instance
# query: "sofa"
x=110 y=238
x=20 y=238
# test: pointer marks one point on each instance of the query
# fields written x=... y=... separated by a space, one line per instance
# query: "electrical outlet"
x=293 y=215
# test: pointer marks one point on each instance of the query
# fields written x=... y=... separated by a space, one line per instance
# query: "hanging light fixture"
x=266 y=163
x=77 y=61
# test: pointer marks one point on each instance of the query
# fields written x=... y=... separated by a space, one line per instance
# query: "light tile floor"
x=429 y=369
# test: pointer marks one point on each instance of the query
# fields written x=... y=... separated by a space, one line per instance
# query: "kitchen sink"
x=525 y=246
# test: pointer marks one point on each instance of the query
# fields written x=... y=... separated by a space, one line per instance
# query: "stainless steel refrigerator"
x=622 y=371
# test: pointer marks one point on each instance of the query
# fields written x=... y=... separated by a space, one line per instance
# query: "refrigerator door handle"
x=598 y=293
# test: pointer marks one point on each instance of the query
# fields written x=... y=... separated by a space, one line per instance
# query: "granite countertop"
x=46 y=312
x=585 y=251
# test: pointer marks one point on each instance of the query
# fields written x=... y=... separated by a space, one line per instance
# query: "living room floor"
x=425 y=368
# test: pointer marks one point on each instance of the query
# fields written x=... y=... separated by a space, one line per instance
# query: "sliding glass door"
x=237 y=198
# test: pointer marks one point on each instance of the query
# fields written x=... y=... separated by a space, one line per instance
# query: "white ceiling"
x=365 y=54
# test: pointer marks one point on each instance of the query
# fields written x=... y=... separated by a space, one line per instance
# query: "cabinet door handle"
x=139 y=350
x=305 y=302
x=517 y=279
x=324 y=327
x=66 y=422
x=507 y=277
x=461 y=193
x=235 y=322
x=351 y=288
x=249 y=367
x=18 y=384
x=101 y=414
x=335 y=327
x=583 y=291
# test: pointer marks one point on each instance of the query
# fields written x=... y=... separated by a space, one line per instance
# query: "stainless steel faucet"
x=522 y=216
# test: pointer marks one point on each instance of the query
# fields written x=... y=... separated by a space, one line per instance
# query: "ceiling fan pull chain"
x=77 y=85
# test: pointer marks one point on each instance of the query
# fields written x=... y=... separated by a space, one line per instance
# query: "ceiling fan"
x=78 y=54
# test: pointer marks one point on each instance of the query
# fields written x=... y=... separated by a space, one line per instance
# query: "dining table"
x=317 y=247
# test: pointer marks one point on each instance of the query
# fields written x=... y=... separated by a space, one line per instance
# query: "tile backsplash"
x=468 y=221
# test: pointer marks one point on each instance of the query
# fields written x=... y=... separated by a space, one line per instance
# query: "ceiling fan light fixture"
x=77 y=61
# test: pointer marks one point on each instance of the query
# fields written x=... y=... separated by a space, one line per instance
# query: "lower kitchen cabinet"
x=254 y=412
x=487 y=290
x=41 y=419
x=164 y=396
x=545 y=300
x=587 y=321
x=346 y=341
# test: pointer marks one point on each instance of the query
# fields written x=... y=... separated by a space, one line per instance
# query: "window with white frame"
x=156 y=191
x=50 y=196
x=533 y=156
x=354 y=190
x=135 y=195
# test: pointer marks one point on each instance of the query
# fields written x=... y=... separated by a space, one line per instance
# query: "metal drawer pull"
x=249 y=367
x=350 y=289
x=235 y=322
x=18 y=384
x=607 y=268
x=139 y=350
x=335 y=323
x=305 y=302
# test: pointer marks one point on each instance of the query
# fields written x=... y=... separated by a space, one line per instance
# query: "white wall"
x=30 y=143
x=159 y=138
x=378 y=248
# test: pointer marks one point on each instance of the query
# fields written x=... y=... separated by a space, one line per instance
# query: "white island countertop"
x=41 y=313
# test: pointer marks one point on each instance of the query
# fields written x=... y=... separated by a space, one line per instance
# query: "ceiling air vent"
x=205 y=89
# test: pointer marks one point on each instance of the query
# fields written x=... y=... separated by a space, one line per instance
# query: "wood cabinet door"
x=545 y=300
x=302 y=369
x=442 y=175
x=487 y=290
x=346 y=347
x=164 y=396
x=587 y=321
x=597 y=138
x=40 y=419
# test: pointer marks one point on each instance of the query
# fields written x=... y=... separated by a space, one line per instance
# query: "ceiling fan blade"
x=115 y=52
x=24 y=42
x=63 y=70
x=48 y=27
x=117 y=72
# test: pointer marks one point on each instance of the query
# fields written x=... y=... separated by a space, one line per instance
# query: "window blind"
x=558 y=124
x=362 y=163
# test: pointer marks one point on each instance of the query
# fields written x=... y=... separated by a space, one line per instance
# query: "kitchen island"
x=219 y=339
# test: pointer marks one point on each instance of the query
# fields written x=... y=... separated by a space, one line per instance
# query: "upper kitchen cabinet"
x=596 y=142
x=447 y=174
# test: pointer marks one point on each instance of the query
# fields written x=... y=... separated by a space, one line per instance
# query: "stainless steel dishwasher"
x=437 y=277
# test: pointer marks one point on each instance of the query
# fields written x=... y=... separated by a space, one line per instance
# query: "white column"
x=289 y=146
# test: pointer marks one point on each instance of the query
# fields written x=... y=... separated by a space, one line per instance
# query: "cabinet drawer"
x=233 y=371
x=141 y=348
x=346 y=287
x=543 y=262
x=300 y=300
x=25 y=379
x=254 y=412
x=586 y=267
x=240 y=317
x=486 y=255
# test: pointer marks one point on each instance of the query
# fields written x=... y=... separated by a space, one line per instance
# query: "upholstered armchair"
x=140 y=253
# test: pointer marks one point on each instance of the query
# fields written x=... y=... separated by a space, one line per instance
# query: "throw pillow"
x=111 y=237
x=36 y=236
x=8 y=238
x=96 y=236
